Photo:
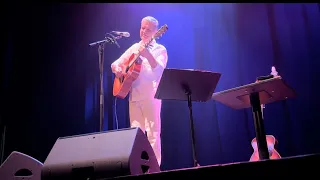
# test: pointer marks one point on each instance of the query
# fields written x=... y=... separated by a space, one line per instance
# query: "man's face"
x=147 y=30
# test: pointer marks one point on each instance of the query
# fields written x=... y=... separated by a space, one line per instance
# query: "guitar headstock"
x=160 y=32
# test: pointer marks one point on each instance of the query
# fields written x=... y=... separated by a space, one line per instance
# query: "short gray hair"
x=152 y=20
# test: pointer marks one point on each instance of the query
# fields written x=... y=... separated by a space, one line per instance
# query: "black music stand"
x=187 y=85
x=253 y=95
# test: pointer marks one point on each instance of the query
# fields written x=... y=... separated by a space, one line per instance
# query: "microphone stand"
x=111 y=40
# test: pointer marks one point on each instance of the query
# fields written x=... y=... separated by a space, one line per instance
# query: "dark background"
x=50 y=74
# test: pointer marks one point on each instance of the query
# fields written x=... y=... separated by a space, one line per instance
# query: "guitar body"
x=122 y=85
x=271 y=142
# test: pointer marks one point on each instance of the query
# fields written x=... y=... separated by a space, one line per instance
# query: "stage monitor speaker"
x=100 y=155
x=20 y=166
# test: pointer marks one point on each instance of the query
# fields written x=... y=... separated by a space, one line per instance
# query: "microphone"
x=124 y=34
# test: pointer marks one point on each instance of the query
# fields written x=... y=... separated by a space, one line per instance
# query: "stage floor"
x=303 y=166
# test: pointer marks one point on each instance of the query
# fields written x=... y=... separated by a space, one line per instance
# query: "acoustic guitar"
x=271 y=142
x=122 y=85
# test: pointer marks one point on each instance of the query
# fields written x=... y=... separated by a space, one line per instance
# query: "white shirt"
x=145 y=86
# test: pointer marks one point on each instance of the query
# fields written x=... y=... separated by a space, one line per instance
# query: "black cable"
x=115 y=112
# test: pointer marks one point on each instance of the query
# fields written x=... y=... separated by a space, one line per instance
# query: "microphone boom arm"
x=107 y=40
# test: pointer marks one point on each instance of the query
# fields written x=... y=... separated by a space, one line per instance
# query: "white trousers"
x=145 y=114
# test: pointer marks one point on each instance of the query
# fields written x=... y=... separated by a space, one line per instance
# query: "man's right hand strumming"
x=118 y=71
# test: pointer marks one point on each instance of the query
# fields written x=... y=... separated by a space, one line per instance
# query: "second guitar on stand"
x=271 y=143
